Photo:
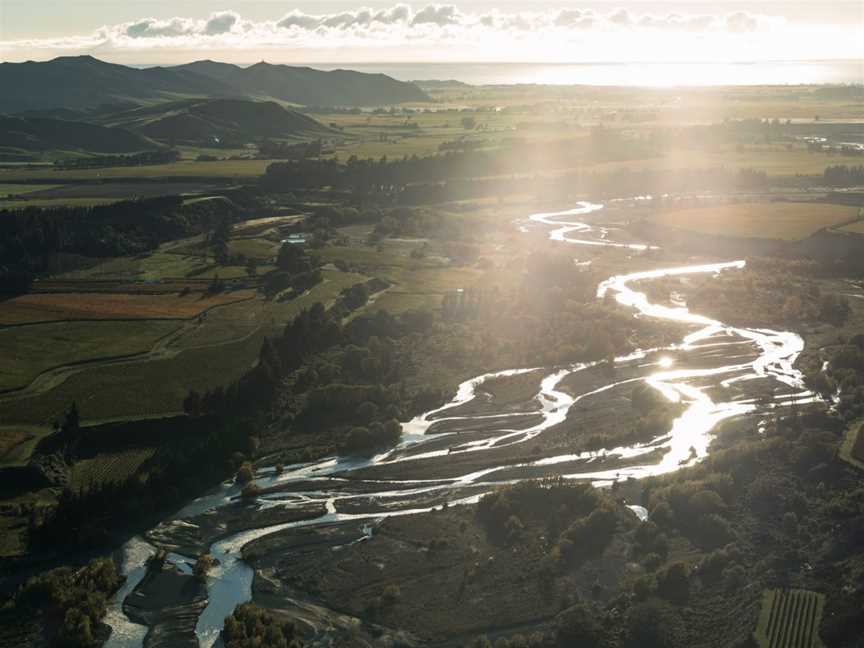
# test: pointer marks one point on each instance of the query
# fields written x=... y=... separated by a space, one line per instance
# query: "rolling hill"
x=306 y=86
x=218 y=120
x=84 y=82
x=39 y=134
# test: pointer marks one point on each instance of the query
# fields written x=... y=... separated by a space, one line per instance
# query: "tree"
x=578 y=626
x=293 y=258
x=469 y=123
x=251 y=266
x=203 y=565
x=650 y=625
x=245 y=474
x=673 y=583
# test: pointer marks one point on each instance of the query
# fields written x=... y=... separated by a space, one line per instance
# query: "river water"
x=701 y=372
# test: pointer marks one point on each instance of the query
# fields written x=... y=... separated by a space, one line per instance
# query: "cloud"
x=440 y=15
x=221 y=23
x=741 y=21
x=431 y=25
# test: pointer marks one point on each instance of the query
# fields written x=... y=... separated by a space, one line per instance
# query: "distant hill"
x=306 y=86
x=46 y=134
x=200 y=120
x=84 y=82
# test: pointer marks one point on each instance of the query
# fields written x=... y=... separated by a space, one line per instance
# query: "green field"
x=855 y=228
x=27 y=351
x=790 y=619
x=181 y=169
x=780 y=220
x=213 y=354
x=17 y=442
x=48 y=203
x=159 y=265
x=22 y=189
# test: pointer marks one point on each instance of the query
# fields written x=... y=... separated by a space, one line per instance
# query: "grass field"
x=789 y=221
x=157 y=266
x=48 y=203
x=110 y=467
x=182 y=169
x=47 y=307
x=29 y=350
x=17 y=443
x=22 y=189
x=852 y=448
x=213 y=354
x=790 y=619
x=855 y=228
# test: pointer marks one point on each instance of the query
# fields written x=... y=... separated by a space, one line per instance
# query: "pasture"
x=234 y=169
x=780 y=220
x=790 y=619
x=28 y=351
x=51 y=307
x=855 y=228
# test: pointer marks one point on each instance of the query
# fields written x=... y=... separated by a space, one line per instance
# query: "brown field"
x=41 y=307
x=781 y=220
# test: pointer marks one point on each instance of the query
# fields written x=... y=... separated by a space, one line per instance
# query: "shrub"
x=203 y=565
x=245 y=474
x=578 y=626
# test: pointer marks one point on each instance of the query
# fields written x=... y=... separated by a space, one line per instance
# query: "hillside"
x=218 y=120
x=46 y=134
x=306 y=86
x=84 y=82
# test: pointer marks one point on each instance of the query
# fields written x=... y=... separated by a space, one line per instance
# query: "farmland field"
x=855 y=228
x=783 y=220
x=48 y=203
x=47 y=307
x=21 y=189
x=29 y=350
x=790 y=619
x=215 y=353
x=17 y=442
x=109 y=467
x=182 y=169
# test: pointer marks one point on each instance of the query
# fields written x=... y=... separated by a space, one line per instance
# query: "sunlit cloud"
x=562 y=34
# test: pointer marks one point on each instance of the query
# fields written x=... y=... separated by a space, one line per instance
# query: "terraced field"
x=790 y=619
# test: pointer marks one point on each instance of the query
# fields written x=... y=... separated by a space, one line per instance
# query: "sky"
x=246 y=31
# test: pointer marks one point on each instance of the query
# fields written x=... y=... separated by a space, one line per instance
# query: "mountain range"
x=84 y=83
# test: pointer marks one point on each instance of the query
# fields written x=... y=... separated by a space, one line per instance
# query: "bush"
x=578 y=626
x=75 y=599
x=253 y=627
x=673 y=583
x=245 y=474
x=203 y=565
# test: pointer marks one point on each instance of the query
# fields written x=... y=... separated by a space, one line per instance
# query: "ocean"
x=633 y=74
